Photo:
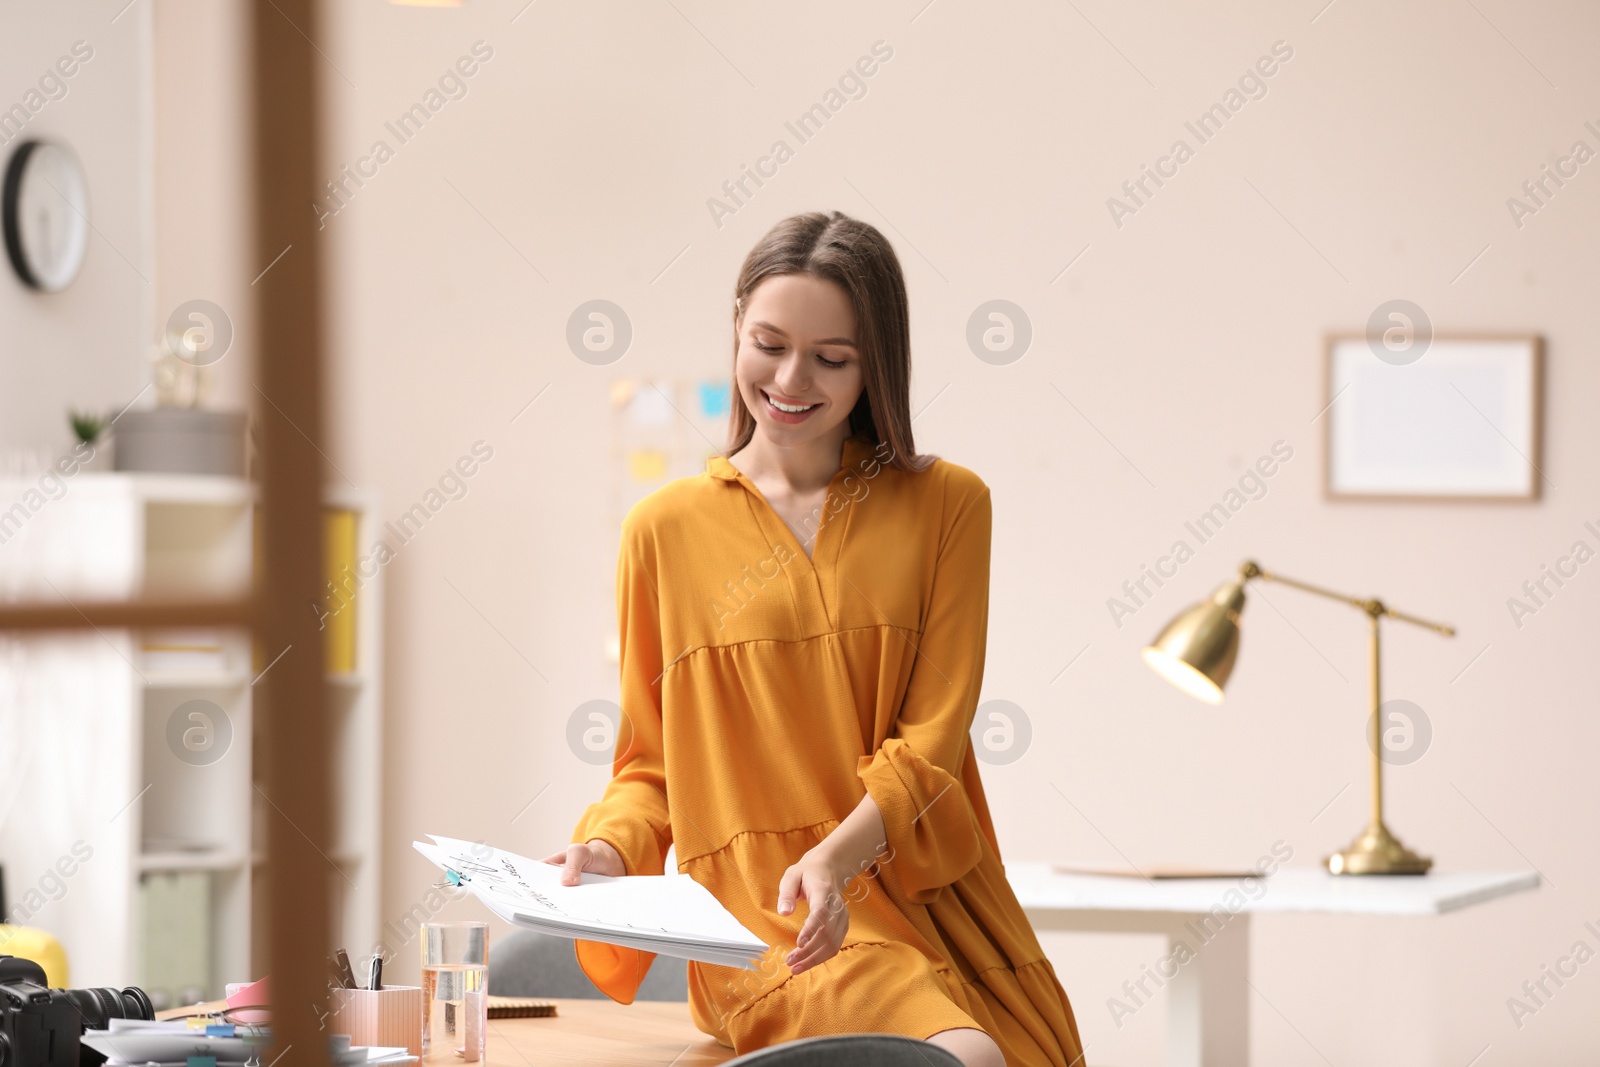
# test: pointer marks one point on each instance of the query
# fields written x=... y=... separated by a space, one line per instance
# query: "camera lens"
x=99 y=1005
x=136 y=1004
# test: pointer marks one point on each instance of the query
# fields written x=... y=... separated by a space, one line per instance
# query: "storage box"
x=391 y=1016
x=181 y=441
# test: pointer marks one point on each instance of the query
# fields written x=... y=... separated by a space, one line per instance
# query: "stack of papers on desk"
x=142 y=1041
x=171 y=1043
x=672 y=915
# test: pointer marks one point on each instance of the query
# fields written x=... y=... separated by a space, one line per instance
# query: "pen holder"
x=391 y=1016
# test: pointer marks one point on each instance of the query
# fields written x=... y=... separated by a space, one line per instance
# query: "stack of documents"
x=672 y=915
x=174 y=1043
x=142 y=1041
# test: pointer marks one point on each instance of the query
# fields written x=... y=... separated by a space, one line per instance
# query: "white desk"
x=1208 y=992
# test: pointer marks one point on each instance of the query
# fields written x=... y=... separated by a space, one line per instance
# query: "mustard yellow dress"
x=763 y=693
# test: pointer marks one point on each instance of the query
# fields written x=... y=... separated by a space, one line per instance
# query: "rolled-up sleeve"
x=915 y=777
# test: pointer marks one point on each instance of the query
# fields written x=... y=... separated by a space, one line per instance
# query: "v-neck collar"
x=825 y=547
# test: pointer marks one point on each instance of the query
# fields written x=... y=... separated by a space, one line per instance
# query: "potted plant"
x=91 y=450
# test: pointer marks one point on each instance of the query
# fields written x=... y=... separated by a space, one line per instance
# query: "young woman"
x=803 y=630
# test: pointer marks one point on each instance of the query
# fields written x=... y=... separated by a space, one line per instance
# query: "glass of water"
x=455 y=991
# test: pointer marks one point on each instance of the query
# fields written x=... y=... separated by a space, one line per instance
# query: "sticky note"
x=649 y=406
x=647 y=465
x=713 y=398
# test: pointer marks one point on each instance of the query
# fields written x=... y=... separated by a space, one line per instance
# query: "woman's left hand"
x=815 y=878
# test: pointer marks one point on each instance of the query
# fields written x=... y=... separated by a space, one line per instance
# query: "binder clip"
x=457 y=879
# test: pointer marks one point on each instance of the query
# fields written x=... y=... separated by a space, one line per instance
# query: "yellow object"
x=647 y=465
x=803 y=685
x=339 y=625
x=34 y=944
x=340 y=527
x=1196 y=652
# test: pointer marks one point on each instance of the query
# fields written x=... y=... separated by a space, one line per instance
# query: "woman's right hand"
x=596 y=857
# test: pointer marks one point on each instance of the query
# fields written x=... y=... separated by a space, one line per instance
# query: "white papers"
x=375 y=1055
x=170 y=1043
x=672 y=915
x=146 y=1041
x=344 y=1054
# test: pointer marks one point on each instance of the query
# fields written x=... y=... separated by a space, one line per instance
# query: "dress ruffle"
x=908 y=936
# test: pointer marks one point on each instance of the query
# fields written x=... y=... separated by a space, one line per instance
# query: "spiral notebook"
x=672 y=915
x=520 y=1008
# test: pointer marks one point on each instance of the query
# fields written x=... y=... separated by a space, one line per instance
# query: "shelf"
x=124 y=535
x=192 y=860
x=341 y=858
x=195 y=679
x=342 y=496
x=156 y=488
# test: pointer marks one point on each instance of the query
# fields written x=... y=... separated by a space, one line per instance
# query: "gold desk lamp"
x=1195 y=652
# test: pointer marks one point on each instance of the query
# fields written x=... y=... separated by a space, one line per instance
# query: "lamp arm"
x=1374 y=607
x=1443 y=628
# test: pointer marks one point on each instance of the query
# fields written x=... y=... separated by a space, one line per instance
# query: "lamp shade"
x=1196 y=650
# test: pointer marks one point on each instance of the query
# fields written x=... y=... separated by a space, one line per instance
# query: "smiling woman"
x=815 y=744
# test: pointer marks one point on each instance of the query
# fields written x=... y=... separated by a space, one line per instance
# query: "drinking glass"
x=455 y=991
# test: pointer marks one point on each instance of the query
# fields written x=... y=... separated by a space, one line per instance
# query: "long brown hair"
x=855 y=256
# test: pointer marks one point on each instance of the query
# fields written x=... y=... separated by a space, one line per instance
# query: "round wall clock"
x=46 y=208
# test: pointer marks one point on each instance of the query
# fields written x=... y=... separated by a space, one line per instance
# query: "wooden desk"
x=603 y=1033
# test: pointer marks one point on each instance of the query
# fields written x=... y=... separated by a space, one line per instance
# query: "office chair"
x=529 y=964
x=850 y=1050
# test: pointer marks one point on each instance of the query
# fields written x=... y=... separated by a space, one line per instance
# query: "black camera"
x=43 y=1027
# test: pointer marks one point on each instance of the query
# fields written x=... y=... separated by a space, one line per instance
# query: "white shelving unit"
x=354 y=702
x=114 y=754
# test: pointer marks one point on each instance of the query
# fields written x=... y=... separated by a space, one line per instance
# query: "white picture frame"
x=1462 y=421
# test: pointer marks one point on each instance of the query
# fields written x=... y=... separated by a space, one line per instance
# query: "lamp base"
x=1377 y=851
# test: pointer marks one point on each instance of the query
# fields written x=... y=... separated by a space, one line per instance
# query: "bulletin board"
x=661 y=429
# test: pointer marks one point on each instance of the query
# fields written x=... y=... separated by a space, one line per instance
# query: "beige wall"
x=84 y=347
x=1188 y=340
x=203 y=242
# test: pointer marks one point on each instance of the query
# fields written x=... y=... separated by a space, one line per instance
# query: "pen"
x=375 y=978
x=347 y=974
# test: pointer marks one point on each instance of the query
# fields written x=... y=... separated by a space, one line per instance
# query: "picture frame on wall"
x=1448 y=418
